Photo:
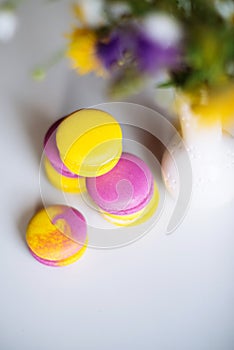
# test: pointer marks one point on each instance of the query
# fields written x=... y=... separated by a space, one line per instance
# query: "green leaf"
x=38 y=74
x=128 y=83
x=169 y=83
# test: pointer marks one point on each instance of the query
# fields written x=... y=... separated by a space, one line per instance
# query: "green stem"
x=11 y=4
x=39 y=73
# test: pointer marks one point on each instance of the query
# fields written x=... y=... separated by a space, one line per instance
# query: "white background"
x=162 y=292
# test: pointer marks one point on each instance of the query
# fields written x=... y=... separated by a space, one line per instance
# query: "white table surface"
x=162 y=292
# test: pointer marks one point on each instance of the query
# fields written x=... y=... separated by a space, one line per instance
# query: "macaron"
x=58 y=174
x=128 y=194
x=89 y=142
x=57 y=235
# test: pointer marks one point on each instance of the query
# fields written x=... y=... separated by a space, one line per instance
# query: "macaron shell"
x=89 y=142
x=50 y=231
x=52 y=152
x=126 y=189
x=66 y=184
x=63 y=262
x=137 y=218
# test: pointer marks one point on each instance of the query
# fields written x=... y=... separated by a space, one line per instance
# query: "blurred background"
x=163 y=292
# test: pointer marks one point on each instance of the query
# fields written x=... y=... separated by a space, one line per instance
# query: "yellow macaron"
x=89 y=142
x=57 y=235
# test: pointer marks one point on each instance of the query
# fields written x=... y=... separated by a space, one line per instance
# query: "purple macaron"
x=126 y=189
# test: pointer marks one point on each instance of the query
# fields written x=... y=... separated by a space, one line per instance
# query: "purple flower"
x=148 y=54
x=152 y=56
x=111 y=51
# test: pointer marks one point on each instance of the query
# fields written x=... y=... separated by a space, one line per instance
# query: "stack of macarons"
x=86 y=143
x=83 y=151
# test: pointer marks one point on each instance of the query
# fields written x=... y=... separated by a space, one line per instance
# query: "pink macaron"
x=125 y=190
x=52 y=152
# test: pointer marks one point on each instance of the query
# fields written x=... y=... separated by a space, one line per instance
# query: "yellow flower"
x=211 y=106
x=82 y=51
x=217 y=105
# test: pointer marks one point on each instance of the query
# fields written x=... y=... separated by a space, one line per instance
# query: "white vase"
x=211 y=153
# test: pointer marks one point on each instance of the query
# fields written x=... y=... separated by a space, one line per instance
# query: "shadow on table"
x=35 y=123
x=25 y=217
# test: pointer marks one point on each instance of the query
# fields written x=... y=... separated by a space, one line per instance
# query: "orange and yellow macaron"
x=57 y=235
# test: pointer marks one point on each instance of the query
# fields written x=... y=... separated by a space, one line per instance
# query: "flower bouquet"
x=184 y=44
